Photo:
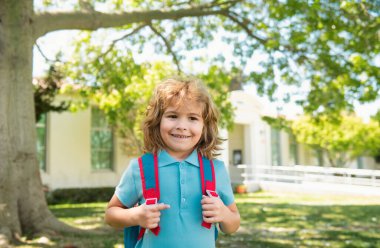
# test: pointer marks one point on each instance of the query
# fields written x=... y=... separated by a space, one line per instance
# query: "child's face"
x=181 y=128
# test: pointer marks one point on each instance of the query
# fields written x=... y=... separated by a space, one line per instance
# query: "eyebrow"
x=175 y=112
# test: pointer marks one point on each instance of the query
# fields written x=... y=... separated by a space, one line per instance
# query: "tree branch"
x=244 y=26
x=168 y=47
x=134 y=31
x=43 y=54
x=331 y=159
x=51 y=21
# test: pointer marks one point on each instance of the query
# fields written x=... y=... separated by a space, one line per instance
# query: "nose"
x=181 y=125
x=181 y=128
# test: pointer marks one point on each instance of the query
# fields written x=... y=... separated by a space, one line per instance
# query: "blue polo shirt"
x=180 y=187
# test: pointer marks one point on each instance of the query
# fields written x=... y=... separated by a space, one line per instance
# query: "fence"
x=300 y=174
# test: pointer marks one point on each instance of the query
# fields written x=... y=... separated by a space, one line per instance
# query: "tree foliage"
x=45 y=91
x=342 y=141
x=327 y=49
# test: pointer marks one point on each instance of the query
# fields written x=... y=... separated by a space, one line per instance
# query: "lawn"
x=268 y=220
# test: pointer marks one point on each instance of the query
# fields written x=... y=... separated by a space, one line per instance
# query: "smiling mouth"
x=180 y=136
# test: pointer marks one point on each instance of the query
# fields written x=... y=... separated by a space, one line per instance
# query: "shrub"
x=80 y=195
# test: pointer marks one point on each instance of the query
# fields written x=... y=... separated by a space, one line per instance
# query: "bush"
x=80 y=195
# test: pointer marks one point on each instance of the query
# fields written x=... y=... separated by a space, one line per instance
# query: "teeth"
x=180 y=136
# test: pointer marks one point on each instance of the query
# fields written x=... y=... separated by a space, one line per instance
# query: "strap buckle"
x=151 y=201
x=212 y=193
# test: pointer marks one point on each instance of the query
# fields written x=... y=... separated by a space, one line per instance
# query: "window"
x=41 y=142
x=237 y=157
x=276 y=146
x=293 y=150
x=101 y=141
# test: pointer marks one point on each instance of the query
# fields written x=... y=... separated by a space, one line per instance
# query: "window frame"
x=97 y=129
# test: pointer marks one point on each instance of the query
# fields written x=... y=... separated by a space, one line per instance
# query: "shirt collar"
x=193 y=158
x=165 y=159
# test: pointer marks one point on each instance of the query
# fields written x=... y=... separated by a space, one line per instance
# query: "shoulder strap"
x=148 y=164
x=207 y=174
x=208 y=180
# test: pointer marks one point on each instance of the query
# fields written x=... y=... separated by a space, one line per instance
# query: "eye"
x=192 y=118
x=171 y=116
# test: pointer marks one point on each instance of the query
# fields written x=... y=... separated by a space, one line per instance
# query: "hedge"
x=79 y=195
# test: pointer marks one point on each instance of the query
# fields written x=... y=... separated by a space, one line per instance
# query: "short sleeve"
x=126 y=190
x=223 y=183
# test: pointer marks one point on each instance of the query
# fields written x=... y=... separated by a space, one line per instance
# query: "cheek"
x=163 y=124
x=202 y=130
x=162 y=128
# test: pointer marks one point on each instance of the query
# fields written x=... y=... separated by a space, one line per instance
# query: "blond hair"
x=174 y=91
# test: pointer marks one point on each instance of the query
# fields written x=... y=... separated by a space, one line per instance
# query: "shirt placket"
x=182 y=185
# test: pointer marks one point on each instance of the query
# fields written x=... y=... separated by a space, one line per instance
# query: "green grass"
x=268 y=220
x=299 y=220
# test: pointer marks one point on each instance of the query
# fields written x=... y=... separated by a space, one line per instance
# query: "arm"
x=217 y=212
x=146 y=216
x=231 y=221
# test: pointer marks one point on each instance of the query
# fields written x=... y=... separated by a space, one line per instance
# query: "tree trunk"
x=23 y=208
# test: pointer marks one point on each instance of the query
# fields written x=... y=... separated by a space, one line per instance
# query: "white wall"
x=236 y=142
x=250 y=133
x=224 y=155
x=69 y=155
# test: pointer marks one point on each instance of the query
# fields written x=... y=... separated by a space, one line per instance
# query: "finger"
x=156 y=220
x=209 y=219
x=208 y=213
x=208 y=207
x=152 y=221
x=161 y=206
x=150 y=206
x=155 y=214
x=152 y=226
x=207 y=200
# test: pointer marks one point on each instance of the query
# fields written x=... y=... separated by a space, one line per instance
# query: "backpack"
x=148 y=164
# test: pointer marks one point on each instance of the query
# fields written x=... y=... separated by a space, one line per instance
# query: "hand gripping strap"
x=207 y=178
x=150 y=184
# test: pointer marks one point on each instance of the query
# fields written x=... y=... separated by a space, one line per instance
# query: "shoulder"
x=133 y=169
x=133 y=164
x=223 y=182
x=218 y=163
x=219 y=166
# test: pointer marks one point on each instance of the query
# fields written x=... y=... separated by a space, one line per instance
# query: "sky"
x=54 y=42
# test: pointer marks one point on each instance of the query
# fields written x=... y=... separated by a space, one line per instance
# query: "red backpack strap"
x=207 y=172
x=148 y=164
